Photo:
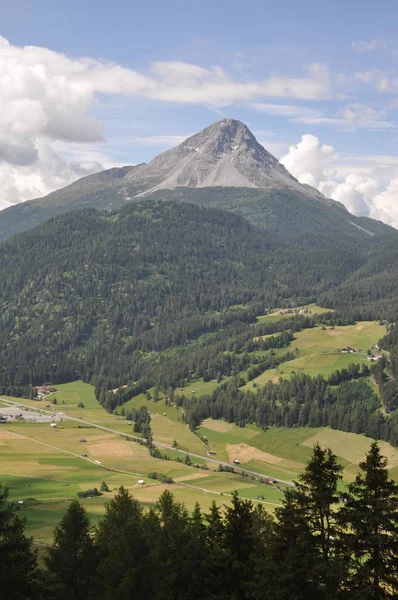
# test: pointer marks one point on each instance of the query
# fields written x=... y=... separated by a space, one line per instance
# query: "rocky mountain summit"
x=224 y=154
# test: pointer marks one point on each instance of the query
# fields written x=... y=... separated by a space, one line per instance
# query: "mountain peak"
x=228 y=136
x=225 y=154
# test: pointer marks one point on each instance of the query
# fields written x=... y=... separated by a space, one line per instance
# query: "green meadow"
x=277 y=315
x=45 y=466
x=318 y=350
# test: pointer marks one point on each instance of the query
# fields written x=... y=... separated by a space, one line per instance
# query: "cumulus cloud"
x=309 y=160
x=320 y=165
x=47 y=99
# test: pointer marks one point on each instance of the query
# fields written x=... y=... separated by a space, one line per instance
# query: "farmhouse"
x=349 y=350
x=376 y=356
x=44 y=389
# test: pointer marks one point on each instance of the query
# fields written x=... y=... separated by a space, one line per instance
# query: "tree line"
x=302 y=401
x=322 y=543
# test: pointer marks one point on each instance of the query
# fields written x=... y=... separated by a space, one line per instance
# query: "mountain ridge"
x=224 y=161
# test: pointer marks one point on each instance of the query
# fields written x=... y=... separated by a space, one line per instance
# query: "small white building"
x=141 y=481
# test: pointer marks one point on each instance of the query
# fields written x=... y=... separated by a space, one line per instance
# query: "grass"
x=276 y=314
x=44 y=467
x=318 y=350
x=286 y=443
x=283 y=453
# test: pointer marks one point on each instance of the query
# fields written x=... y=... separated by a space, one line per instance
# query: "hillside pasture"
x=318 y=350
x=275 y=315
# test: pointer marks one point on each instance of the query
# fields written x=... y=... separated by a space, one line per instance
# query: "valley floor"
x=43 y=466
x=46 y=466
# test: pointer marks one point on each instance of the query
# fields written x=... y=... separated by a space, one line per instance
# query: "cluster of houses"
x=44 y=390
x=350 y=350
x=291 y=311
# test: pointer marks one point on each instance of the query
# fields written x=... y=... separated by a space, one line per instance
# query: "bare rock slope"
x=225 y=154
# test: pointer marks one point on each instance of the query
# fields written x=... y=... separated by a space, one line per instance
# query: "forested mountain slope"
x=85 y=292
x=98 y=294
x=95 y=293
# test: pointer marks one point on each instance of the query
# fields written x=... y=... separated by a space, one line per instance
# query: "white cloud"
x=309 y=160
x=357 y=188
x=383 y=83
x=385 y=204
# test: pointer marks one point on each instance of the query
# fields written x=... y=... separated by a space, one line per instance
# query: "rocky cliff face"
x=225 y=154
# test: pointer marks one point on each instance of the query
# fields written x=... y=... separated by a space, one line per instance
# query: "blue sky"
x=118 y=82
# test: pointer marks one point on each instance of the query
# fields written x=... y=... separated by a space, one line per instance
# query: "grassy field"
x=318 y=350
x=274 y=316
x=44 y=466
x=283 y=453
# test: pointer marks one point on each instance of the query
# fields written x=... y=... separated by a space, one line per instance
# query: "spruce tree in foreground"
x=306 y=558
x=19 y=576
x=71 y=559
x=125 y=538
x=370 y=516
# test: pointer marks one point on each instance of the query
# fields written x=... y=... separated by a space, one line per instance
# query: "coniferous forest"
x=112 y=297
x=322 y=544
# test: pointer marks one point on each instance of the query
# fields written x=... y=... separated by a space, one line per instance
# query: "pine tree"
x=290 y=570
x=19 y=575
x=305 y=547
x=216 y=571
x=124 y=568
x=238 y=542
x=173 y=543
x=72 y=558
x=370 y=515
